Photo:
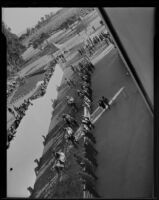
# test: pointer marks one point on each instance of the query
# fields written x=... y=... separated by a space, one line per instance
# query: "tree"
x=80 y=27
x=14 y=50
x=38 y=41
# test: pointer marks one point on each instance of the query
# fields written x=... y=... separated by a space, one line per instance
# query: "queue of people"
x=87 y=161
x=42 y=89
x=88 y=164
x=93 y=44
x=85 y=70
x=60 y=58
x=12 y=87
x=19 y=112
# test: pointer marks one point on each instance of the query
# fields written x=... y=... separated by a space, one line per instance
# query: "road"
x=124 y=134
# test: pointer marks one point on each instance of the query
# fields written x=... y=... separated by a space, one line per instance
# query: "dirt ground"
x=124 y=134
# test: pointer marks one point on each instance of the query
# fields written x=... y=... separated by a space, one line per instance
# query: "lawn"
x=28 y=86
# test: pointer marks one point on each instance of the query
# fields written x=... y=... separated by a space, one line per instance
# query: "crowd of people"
x=92 y=44
x=87 y=161
x=60 y=58
x=11 y=87
x=19 y=112
x=42 y=88
x=103 y=102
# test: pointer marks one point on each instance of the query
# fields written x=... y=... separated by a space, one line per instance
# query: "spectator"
x=11 y=169
x=80 y=93
x=12 y=112
x=84 y=87
x=72 y=68
x=91 y=158
x=93 y=28
x=101 y=103
x=69 y=120
x=87 y=99
x=69 y=131
x=60 y=156
x=80 y=52
x=87 y=121
x=70 y=82
x=87 y=93
x=86 y=104
x=87 y=169
x=106 y=101
x=89 y=148
x=10 y=137
x=70 y=101
x=72 y=139
x=92 y=190
x=89 y=135
x=29 y=102
x=60 y=159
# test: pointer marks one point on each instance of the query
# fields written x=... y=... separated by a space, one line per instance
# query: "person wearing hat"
x=70 y=101
x=60 y=159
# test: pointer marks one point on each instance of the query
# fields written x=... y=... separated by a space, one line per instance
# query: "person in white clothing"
x=69 y=131
x=70 y=137
x=60 y=156
x=70 y=99
x=60 y=161
x=71 y=102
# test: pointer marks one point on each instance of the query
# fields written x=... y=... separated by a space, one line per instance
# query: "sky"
x=19 y=19
x=27 y=145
